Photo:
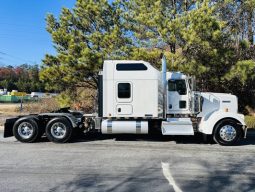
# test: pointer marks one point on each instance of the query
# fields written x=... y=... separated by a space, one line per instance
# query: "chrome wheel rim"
x=58 y=130
x=228 y=133
x=25 y=130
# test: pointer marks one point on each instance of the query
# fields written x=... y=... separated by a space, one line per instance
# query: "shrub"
x=41 y=106
x=250 y=121
x=64 y=99
x=82 y=99
x=85 y=100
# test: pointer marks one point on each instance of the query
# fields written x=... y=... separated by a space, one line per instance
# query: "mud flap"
x=8 y=127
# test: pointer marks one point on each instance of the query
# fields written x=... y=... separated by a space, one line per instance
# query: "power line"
x=19 y=24
x=34 y=35
x=15 y=57
x=33 y=39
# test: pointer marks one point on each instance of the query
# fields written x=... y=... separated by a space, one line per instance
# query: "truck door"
x=124 y=98
x=177 y=97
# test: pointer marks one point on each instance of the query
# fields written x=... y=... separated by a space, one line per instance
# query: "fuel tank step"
x=177 y=126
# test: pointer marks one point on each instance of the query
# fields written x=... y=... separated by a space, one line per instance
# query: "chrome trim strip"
x=109 y=126
x=138 y=127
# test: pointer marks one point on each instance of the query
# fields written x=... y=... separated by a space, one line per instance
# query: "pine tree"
x=83 y=38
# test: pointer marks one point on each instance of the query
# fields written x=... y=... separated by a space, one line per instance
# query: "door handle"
x=119 y=110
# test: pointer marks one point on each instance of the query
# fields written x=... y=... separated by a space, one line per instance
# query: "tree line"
x=23 y=78
x=210 y=39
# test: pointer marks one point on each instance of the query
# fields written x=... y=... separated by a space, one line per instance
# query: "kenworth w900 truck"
x=136 y=98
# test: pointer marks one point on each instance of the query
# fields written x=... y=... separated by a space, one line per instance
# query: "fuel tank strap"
x=138 y=127
x=109 y=126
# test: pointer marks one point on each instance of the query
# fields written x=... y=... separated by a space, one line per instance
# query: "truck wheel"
x=59 y=130
x=227 y=132
x=26 y=130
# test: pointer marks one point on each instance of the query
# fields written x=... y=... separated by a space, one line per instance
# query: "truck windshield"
x=178 y=85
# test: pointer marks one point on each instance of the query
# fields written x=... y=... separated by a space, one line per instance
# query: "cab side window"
x=177 y=85
x=124 y=90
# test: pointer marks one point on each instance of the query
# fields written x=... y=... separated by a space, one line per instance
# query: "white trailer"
x=136 y=98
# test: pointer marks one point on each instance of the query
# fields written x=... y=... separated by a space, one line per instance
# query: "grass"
x=9 y=110
x=250 y=121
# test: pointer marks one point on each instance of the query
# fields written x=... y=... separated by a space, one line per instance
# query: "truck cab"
x=178 y=94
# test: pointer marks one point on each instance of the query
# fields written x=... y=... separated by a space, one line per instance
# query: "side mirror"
x=192 y=83
x=193 y=80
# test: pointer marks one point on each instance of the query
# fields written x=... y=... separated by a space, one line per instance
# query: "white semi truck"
x=136 y=98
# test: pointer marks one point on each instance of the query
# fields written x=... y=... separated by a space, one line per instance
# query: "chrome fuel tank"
x=124 y=127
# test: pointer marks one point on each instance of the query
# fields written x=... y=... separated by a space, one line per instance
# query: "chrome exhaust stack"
x=164 y=83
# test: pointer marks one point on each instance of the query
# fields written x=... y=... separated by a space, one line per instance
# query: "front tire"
x=227 y=132
x=26 y=130
x=59 y=130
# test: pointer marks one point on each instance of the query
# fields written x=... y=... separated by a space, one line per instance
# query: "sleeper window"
x=124 y=90
x=131 y=67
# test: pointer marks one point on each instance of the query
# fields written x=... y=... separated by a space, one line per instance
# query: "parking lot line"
x=169 y=177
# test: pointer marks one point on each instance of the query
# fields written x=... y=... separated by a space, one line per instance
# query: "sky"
x=23 y=37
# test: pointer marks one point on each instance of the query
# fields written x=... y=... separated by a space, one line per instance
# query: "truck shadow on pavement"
x=233 y=175
x=197 y=139
x=230 y=176
x=142 y=179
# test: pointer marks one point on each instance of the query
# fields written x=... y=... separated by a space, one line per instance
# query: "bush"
x=85 y=100
x=82 y=99
x=41 y=106
x=64 y=99
x=250 y=121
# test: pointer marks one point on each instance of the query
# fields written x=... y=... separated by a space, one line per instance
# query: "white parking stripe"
x=169 y=177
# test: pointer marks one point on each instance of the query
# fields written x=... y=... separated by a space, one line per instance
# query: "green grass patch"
x=250 y=121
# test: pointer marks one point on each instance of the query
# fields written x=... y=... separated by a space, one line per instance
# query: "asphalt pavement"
x=127 y=163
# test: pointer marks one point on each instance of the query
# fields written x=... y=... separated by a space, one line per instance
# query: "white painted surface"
x=173 y=97
x=169 y=177
x=209 y=121
x=218 y=102
x=124 y=109
x=146 y=90
x=217 y=106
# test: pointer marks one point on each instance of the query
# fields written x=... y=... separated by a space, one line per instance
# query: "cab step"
x=177 y=126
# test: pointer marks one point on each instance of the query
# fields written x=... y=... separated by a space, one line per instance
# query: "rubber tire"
x=207 y=139
x=69 y=130
x=36 y=132
x=216 y=134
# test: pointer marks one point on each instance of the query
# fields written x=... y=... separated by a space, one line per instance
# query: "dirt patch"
x=9 y=108
x=8 y=111
x=3 y=118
